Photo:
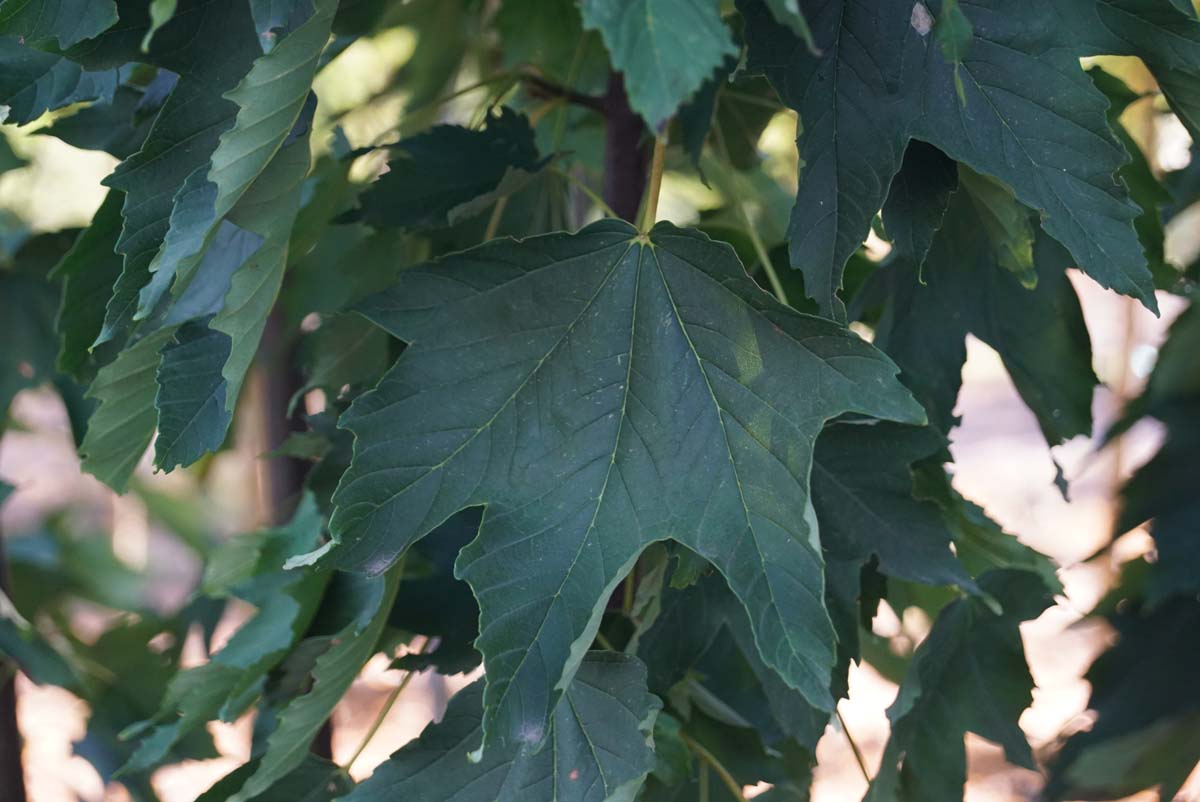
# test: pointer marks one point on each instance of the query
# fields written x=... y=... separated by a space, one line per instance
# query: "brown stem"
x=283 y=477
x=626 y=152
x=540 y=87
x=12 y=774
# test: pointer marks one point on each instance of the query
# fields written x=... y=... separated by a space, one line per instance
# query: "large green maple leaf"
x=599 y=392
x=1015 y=106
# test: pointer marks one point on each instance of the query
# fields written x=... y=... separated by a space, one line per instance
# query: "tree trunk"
x=626 y=152
x=12 y=775
x=283 y=477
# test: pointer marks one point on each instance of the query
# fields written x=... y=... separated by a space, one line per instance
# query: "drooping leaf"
x=88 y=273
x=1039 y=333
x=434 y=177
x=862 y=488
x=665 y=48
x=1147 y=710
x=315 y=780
x=196 y=113
x=1026 y=115
x=642 y=396
x=852 y=137
x=439 y=606
x=363 y=604
x=980 y=543
x=969 y=675
x=192 y=418
x=65 y=21
x=270 y=100
x=120 y=430
x=33 y=82
x=702 y=637
x=1144 y=186
x=225 y=685
x=267 y=209
x=597 y=747
x=917 y=200
x=27 y=307
x=236 y=283
x=32 y=654
x=1005 y=223
x=1159 y=492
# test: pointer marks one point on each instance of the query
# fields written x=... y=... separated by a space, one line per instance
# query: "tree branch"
x=540 y=87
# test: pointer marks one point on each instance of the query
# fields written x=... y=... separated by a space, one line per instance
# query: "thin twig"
x=858 y=755
x=494 y=221
x=760 y=250
x=383 y=712
x=711 y=759
x=586 y=190
x=540 y=87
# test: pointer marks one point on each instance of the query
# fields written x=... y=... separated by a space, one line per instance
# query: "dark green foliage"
x=647 y=475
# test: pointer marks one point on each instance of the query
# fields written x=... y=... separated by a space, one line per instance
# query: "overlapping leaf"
x=231 y=680
x=969 y=675
x=963 y=288
x=665 y=48
x=33 y=82
x=597 y=747
x=655 y=394
x=1147 y=710
x=862 y=488
x=449 y=172
x=361 y=606
x=67 y=22
x=1014 y=106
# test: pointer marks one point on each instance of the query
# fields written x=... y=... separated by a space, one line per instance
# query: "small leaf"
x=1146 y=708
x=435 y=177
x=192 y=419
x=969 y=675
x=315 y=780
x=33 y=82
x=917 y=200
x=67 y=22
x=664 y=48
x=88 y=272
x=1039 y=334
x=862 y=488
x=362 y=605
x=120 y=430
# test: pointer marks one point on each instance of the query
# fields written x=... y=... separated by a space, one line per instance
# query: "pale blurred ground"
x=1002 y=464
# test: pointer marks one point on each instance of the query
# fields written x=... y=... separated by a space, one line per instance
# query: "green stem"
x=711 y=759
x=586 y=190
x=654 y=185
x=494 y=221
x=383 y=712
x=760 y=250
